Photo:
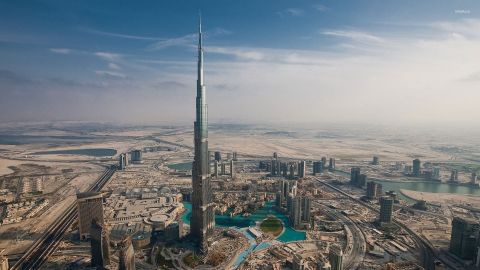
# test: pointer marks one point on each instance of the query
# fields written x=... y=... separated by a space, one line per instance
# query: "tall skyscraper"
x=136 y=156
x=416 y=167
x=464 y=236
x=126 y=258
x=331 y=164
x=372 y=190
x=354 y=175
x=317 y=167
x=90 y=207
x=232 y=169
x=306 y=206
x=296 y=212
x=386 y=209
x=454 y=176
x=335 y=256
x=302 y=169
x=218 y=155
x=99 y=245
x=202 y=221
x=473 y=179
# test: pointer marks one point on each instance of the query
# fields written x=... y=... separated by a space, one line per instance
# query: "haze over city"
x=239 y=135
x=122 y=61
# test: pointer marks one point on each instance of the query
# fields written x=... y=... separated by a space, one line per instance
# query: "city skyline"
x=122 y=62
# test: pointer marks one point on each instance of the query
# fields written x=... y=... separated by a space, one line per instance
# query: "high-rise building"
x=376 y=160
x=279 y=199
x=122 y=161
x=306 y=209
x=223 y=169
x=99 y=246
x=317 y=167
x=296 y=212
x=473 y=179
x=464 y=236
x=302 y=169
x=371 y=190
x=416 y=167
x=235 y=158
x=362 y=180
x=298 y=262
x=273 y=170
x=232 y=169
x=90 y=208
x=218 y=155
x=275 y=155
x=331 y=164
x=386 y=209
x=324 y=161
x=379 y=190
x=126 y=258
x=354 y=175
x=202 y=220
x=436 y=173
x=215 y=169
x=136 y=156
x=292 y=171
x=285 y=188
x=454 y=176
x=300 y=211
x=335 y=256
x=173 y=232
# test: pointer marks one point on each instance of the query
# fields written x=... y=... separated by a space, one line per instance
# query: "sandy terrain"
x=5 y=163
x=443 y=198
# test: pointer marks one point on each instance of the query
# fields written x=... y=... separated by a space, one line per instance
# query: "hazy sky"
x=266 y=61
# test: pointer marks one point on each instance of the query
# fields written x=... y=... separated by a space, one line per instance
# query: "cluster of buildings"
x=434 y=173
x=16 y=212
x=296 y=206
x=295 y=169
x=127 y=224
x=305 y=255
x=135 y=158
x=30 y=185
x=465 y=239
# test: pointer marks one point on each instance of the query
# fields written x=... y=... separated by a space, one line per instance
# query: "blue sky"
x=266 y=61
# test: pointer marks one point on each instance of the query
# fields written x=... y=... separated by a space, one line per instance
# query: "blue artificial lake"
x=288 y=235
x=422 y=186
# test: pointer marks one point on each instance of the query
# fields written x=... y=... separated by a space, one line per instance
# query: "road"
x=39 y=252
x=428 y=252
x=355 y=255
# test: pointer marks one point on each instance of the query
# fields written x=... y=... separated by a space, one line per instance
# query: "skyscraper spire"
x=202 y=219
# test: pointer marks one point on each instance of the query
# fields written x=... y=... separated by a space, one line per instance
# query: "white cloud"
x=113 y=66
x=466 y=27
x=357 y=36
x=110 y=74
x=294 y=12
x=320 y=7
x=119 y=35
x=240 y=53
x=108 y=56
x=61 y=50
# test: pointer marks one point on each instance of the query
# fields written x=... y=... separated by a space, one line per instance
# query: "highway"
x=355 y=255
x=428 y=252
x=39 y=252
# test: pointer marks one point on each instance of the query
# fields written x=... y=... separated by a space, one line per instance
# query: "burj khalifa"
x=202 y=221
